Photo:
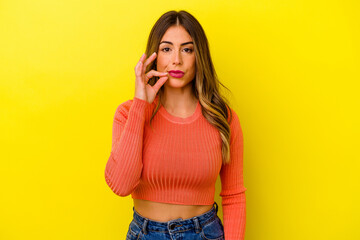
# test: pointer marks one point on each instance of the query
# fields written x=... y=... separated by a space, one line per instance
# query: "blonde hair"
x=205 y=86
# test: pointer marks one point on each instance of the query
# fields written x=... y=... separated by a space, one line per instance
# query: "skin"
x=178 y=98
x=178 y=101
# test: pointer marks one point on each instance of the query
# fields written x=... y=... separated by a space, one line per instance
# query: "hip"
x=207 y=226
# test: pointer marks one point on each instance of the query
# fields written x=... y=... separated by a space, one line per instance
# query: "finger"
x=143 y=57
x=159 y=83
x=152 y=73
x=148 y=61
x=138 y=67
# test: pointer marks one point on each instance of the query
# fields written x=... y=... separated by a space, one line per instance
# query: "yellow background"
x=292 y=68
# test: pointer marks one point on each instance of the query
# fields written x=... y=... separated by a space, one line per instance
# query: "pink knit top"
x=178 y=161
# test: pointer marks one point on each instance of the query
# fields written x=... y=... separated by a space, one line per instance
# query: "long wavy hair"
x=205 y=86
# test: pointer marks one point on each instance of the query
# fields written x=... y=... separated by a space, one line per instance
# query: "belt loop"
x=197 y=225
x=216 y=207
x=145 y=226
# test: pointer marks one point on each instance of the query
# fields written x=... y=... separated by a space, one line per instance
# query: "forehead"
x=176 y=34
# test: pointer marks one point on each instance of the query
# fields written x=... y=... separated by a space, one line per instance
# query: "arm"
x=233 y=190
x=124 y=166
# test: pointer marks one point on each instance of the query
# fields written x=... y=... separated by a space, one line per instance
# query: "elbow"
x=122 y=177
x=120 y=188
x=233 y=197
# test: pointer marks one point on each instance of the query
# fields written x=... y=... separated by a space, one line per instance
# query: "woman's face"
x=176 y=52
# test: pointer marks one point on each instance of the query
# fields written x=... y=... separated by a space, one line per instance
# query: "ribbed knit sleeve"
x=124 y=166
x=233 y=190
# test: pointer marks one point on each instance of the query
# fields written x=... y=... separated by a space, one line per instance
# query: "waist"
x=202 y=219
x=162 y=212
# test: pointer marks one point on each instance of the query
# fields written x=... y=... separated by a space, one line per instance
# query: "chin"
x=174 y=85
x=176 y=82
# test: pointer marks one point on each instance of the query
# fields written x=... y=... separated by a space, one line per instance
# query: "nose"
x=177 y=58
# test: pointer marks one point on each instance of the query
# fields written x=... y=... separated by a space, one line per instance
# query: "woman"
x=173 y=139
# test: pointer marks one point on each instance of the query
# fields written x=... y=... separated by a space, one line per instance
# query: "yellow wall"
x=293 y=69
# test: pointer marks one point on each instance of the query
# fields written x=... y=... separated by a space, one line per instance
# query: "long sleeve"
x=233 y=190
x=124 y=166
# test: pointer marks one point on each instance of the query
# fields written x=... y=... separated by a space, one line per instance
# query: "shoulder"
x=233 y=118
x=124 y=107
x=234 y=122
x=122 y=111
x=137 y=104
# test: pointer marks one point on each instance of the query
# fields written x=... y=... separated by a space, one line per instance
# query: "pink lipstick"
x=176 y=73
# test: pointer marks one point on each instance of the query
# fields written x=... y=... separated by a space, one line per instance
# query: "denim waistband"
x=176 y=224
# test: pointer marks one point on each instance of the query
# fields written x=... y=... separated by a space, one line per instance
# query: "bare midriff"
x=164 y=212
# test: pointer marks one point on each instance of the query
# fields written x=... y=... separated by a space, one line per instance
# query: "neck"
x=180 y=100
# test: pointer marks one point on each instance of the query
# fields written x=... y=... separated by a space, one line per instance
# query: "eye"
x=164 y=49
x=189 y=50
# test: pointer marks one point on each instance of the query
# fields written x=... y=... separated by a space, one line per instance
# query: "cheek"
x=193 y=65
x=161 y=62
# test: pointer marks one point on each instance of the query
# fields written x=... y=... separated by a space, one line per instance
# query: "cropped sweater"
x=178 y=161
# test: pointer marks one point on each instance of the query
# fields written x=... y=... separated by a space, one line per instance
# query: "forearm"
x=124 y=166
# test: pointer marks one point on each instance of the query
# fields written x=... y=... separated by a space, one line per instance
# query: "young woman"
x=173 y=139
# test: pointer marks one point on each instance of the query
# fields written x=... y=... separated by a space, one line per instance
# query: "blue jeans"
x=207 y=226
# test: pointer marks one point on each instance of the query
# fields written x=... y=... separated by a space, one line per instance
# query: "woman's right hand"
x=143 y=90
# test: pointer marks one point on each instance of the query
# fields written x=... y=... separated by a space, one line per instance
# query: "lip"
x=176 y=73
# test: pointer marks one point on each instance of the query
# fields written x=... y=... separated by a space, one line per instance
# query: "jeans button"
x=172 y=227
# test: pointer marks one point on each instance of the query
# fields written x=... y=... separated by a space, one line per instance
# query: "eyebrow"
x=173 y=44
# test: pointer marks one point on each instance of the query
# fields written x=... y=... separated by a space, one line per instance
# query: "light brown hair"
x=205 y=86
